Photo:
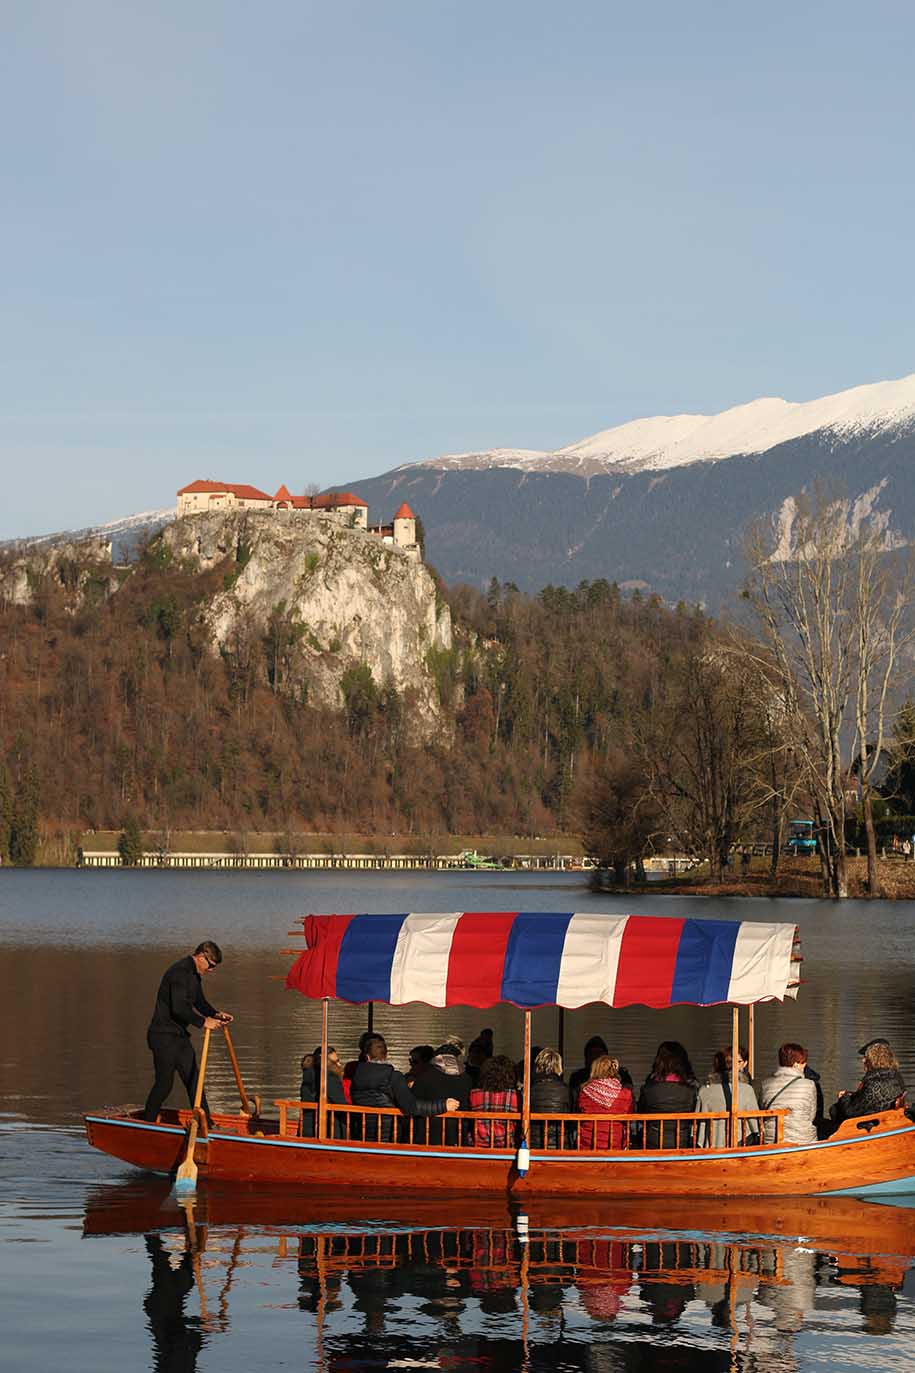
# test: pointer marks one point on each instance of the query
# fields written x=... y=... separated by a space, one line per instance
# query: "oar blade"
x=186 y=1175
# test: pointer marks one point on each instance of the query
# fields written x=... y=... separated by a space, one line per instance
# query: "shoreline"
x=796 y=880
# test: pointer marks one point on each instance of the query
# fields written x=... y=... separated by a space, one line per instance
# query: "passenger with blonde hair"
x=604 y=1094
x=880 y=1089
x=549 y=1094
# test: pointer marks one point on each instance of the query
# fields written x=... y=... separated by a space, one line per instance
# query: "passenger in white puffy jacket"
x=788 y=1089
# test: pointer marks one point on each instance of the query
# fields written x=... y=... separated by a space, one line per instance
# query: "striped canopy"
x=539 y=958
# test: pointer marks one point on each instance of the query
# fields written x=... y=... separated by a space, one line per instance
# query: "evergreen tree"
x=24 y=821
x=130 y=843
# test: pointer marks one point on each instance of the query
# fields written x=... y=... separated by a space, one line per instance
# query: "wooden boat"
x=529 y=960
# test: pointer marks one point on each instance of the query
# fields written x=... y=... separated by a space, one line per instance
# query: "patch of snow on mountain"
x=673 y=440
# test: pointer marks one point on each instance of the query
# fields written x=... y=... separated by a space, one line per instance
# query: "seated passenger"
x=604 y=1094
x=444 y=1077
x=421 y=1055
x=480 y=1050
x=311 y=1087
x=790 y=1089
x=715 y=1095
x=880 y=1089
x=670 y=1088
x=551 y=1095
x=378 y=1083
x=496 y=1093
x=593 y=1049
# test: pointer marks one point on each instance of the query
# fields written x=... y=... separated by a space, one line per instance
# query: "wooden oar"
x=186 y=1176
x=250 y=1108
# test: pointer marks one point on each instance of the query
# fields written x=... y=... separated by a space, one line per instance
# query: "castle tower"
x=405 y=528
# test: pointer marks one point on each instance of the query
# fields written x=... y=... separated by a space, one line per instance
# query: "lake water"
x=100 y=1270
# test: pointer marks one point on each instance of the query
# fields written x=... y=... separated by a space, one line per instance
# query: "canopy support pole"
x=751 y=1040
x=370 y=1023
x=561 y=1033
x=734 y=1138
x=322 y=1087
x=526 y=1098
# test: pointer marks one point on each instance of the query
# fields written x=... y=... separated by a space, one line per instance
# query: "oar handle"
x=247 y=1105
x=198 y=1094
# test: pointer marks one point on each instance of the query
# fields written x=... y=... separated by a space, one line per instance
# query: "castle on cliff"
x=204 y=497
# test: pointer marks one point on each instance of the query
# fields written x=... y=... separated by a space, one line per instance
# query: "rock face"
x=69 y=565
x=348 y=599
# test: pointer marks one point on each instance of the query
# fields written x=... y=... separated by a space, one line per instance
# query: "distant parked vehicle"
x=801 y=837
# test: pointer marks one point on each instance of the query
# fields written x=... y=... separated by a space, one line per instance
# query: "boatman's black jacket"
x=180 y=1001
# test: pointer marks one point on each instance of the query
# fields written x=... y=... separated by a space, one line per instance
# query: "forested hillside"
x=111 y=706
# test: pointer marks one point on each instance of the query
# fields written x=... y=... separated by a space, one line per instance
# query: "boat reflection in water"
x=411 y=1284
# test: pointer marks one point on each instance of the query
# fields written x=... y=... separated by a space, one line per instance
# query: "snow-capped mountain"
x=125 y=534
x=663 y=504
x=666 y=441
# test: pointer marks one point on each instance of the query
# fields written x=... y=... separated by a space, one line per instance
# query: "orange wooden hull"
x=863 y=1163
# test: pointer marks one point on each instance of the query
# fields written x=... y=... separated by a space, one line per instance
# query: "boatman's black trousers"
x=172 y=1054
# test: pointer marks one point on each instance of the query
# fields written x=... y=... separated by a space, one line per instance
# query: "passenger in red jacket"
x=604 y=1094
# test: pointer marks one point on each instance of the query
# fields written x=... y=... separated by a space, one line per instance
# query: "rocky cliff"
x=334 y=598
x=67 y=566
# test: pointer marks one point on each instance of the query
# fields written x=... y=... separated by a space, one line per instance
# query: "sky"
x=307 y=242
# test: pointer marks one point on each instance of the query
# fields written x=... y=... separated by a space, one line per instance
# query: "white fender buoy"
x=524 y=1158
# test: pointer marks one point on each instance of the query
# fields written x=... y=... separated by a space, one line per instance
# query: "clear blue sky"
x=306 y=242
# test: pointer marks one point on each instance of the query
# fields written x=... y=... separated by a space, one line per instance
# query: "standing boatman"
x=180 y=1003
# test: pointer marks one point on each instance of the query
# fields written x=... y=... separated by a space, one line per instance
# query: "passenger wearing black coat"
x=550 y=1094
x=311 y=1087
x=670 y=1088
x=879 y=1089
x=378 y=1083
x=444 y=1077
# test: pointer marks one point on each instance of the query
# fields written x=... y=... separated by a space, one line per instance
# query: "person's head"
x=363 y=1040
x=420 y=1056
x=375 y=1049
x=487 y=1036
x=605 y=1065
x=206 y=956
x=479 y=1051
x=672 y=1060
x=793 y=1056
x=308 y=1061
x=723 y=1059
x=594 y=1046
x=548 y=1063
x=879 y=1055
x=333 y=1061
x=453 y=1045
x=497 y=1074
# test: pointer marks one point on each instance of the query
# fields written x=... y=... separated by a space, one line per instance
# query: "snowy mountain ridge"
x=666 y=441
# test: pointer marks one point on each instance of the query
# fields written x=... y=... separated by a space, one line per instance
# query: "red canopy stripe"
x=648 y=957
x=314 y=973
x=477 y=962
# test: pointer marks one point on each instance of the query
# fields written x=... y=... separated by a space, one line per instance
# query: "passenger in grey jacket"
x=715 y=1095
x=788 y=1089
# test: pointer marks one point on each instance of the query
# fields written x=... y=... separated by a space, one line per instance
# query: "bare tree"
x=695 y=744
x=824 y=594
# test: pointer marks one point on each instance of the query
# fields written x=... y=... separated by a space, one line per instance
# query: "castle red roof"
x=404 y=513
x=240 y=491
x=282 y=494
x=335 y=499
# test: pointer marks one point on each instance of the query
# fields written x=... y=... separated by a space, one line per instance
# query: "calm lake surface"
x=99 y=1269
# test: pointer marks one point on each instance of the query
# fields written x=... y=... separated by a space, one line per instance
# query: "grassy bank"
x=796 y=877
